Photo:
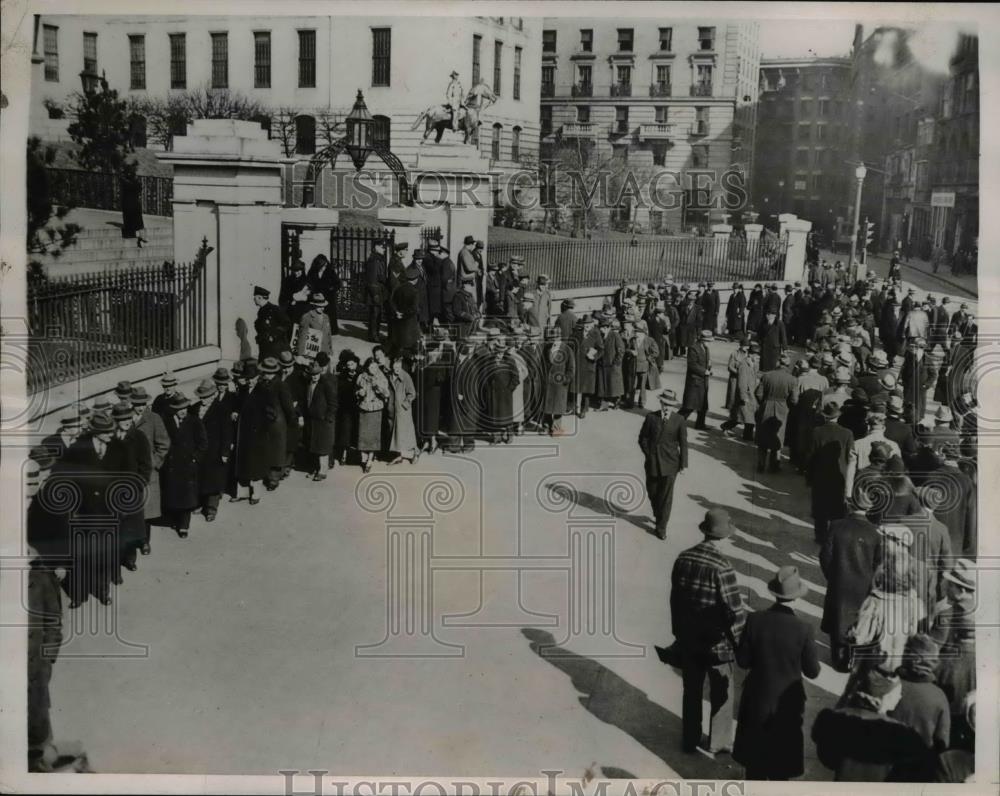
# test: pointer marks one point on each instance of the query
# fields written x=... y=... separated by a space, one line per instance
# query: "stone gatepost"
x=315 y=225
x=795 y=258
x=227 y=189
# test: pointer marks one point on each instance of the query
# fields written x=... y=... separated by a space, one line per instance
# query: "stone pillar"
x=227 y=188
x=753 y=231
x=797 y=230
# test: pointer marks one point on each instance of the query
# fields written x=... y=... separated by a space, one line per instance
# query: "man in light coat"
x=151 y=424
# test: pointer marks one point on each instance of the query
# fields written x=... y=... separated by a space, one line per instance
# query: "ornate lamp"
x=89 y=81
x=360 y=132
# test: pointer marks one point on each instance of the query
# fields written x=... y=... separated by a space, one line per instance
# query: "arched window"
x=382 y=132
x=515 y=144
x=137 y=131
x=305 y=135
x=265 y=124
x=497 y=133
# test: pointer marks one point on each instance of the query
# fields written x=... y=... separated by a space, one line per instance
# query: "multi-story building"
x=659 y=95
x=803 y=141
x=304 y=71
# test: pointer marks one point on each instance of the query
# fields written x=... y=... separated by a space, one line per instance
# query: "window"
x=381 y=50
x=802 y=157
x=548 y=80
x=517 y=73
x=515 y=144
x=706 y=38
x=382 y=132
x=699 y=156
x=583 y=114
x=659 y=154
x=587 y=40
x=497 y=135
x=178 y=60
x=307 y=59
x=823 y=107
x=90 y=52
x=621 y=119
x=497 y=65
x=220 y=60
x=137 y=61
x=624 y=75
x=477 y=47
x=545 y=119
x=701 y=120
x=548 y=41
x=305 y=135
x=585 y=74
x=262 y=59
x=805 y=107
x=661 y=114
x=50 y=42
x=663 y=79
x=666 y=39
x=821 y=132
x=625 y=39
x=705 y=76
x=807 y=82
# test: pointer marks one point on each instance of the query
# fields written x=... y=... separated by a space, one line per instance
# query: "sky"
x=797 y=39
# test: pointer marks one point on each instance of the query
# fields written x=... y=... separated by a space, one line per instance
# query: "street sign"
x=943 y=199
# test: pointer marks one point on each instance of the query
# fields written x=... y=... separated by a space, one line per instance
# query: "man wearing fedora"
x=151 y=425
x=129 y=458
x=707 y=616
x=699 y=371
x=827 y=461
x=779 y=649
x=441 y=275
x=213 y=466
x=468 y=264
x=777 y=391
x=161 y=403
x=314 y=329
x=179 y=475
x=404 y=323
x=462 y=309
x=663 y=442
x=320 y=410
x=273 y=326
x=69 y=429
x=917 y=377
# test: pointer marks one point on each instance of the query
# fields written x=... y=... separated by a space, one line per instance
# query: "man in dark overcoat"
x=259 y=410
x=917 y=376
x=779 y=649
x=735 y=311
x=663 y=442
x=441 y=274
x=559 y=364
x=826 y=464
x=848 y=559
x=404 y=321
x=136 y=460
x=710 y=304
x=287 y=417
x=462 y=308
x=273 y=326
x=376 y=280
x=463 y=399
x=773 y=340
x=772 y=301
x=566 y=321
x=179 y=476
x=320 y=409
x=587 y=343
x=610 y=384
x=151 y=425
x=699 y=371
x=215 y=413
x=397 y=268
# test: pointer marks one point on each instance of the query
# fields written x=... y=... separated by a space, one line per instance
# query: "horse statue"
x=436 y=118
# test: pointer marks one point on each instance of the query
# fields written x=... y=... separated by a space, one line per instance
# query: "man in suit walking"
x=663 y=442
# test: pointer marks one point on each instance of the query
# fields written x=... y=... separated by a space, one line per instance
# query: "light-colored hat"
x=787 y=585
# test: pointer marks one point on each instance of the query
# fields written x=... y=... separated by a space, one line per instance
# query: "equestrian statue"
x=460 y=112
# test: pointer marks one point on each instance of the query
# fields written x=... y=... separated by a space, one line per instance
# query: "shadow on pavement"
x=615 y=701
x=601 y=506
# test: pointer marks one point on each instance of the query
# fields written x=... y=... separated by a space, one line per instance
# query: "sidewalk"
x=921 y=274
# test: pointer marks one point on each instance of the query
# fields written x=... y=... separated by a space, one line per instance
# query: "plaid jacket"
x=706 y=606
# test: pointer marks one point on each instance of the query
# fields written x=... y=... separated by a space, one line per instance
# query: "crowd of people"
x=477 y=353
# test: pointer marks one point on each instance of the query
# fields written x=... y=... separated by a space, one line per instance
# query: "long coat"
x=778 y=648
x=586 y=368
x=440 y=283
x=610 y=383
x=560 y=373
x=848 y=559
x=772 y=341
x=273 y=327
x=151 y=424
x=179 y=476
x=755 y=310
x=647 y=356
x=503 y=379
x=464 y=404
x=696 y=382
x=735 y=308
x=219 y=437
x=663 y=444
x=404 y=332
x=128 y=456
x=320 y=416
x=432 y=381
x=258 y=414
x=733 y=368
x=404 y=435
x=346 y=434
x=314 y=319
x=826 y=467
x=746 y=391
x=778 y=389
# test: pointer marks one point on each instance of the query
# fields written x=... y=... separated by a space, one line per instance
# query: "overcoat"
x=772 y=341
x=746 y=389
x=254 y=436
x=735 y=308
x=848 y=559
x=179 y=476
x=778 y=389
x=612 y=352
x=321 y=416
x=733 y=369
x=151 y=424
x=432 y=383
x=346 y=435
x=827 y=462
x=755 y=310
x=219 y=435
x=404 y=331
x=560 y=370
x=696 y=382
x=129 y=458
x=503 y=380
x=404 y=435
x=586 y=368
x=463 y=415
x=647 y=357
x=778 y=648
x=440 y=283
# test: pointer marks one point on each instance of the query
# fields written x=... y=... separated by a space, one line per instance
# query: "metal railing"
x=701 y=89
x=595 y=263
x=660 y=90
x=87 y=323
x=100 y=190
x=583 y=90
x=621 y=89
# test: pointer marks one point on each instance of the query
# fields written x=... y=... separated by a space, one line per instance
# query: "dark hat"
x=754 y=347
x=786 y=585
x=238 y=368
x=124 y=389
x=269 y=365
x=315 y=369
x=453 y=73
x=285 y=359
x=70 y=420
x=716 y=524
x=603 y=321
x=42 y=456
x=139 y=396
x=831 y=409
x=493 y=266
x=323 y=358
x=179 y=401
x=249 y=369
x=402 y=246
x=221 y=376
x=121 y=411
x=418 y=252
x=100 y=423
x=468 y=240
x=480 y=244
x=880 y=452
x=260 y=291
x=318 y=300
x=206 y=389
x=412 y=272
x=567 y=304
x=298 y=265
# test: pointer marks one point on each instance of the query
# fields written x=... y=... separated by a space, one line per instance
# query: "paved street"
x=920 y=275
x=252 y=622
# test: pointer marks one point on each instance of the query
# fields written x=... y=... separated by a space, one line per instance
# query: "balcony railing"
x=701 y=89
x=579 y=130
x=621 y=89
x=659 y=90
x=583 y=90
x=619 y=128
x=657 y=130
x=548 y=89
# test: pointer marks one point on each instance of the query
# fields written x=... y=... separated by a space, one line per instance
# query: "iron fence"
x=87 y=323
x=595 y=263
x=101 y=190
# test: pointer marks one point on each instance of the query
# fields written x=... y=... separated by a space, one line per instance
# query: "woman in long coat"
x=372 y=390
x=432 y=384
x=587 y=339
x=560 y=371
x=517 y=399
x=346 y=433
x=320 y=411
x=610 y=385
x=404 y=434
x=179 y=475
x=735 y=308
x=755 y=309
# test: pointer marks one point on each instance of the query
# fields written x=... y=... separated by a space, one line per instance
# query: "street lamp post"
x=859 y=175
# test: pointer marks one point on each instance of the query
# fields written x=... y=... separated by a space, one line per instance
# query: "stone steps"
x=94 y=243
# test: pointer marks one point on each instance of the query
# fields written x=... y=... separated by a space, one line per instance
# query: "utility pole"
x=859 y=175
